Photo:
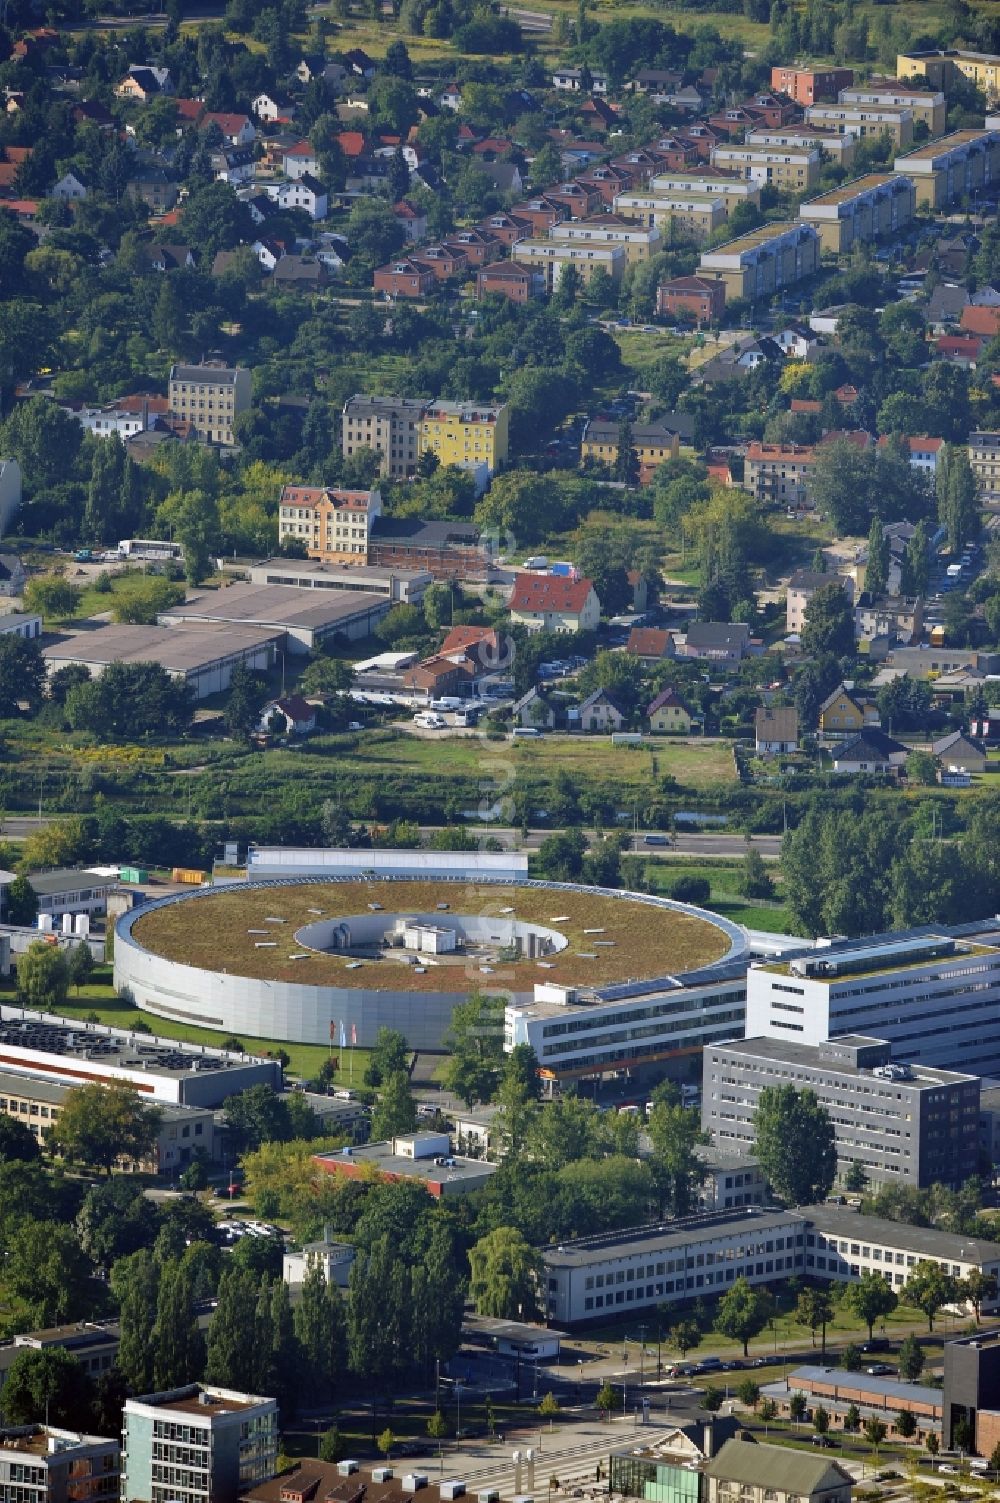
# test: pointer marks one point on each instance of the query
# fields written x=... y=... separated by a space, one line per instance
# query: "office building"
x=425 y=1159
x=932 y=994
x=957 y=166
x=387 y=425
x=791 y=168
x=861 y=212
x=809 y=85
x=764 y=261
x=94 y=1347
x=902 y=1124
x=471 y=435
x=941 y=66
x=926 y=106
x=971 y=1395
x=40 y=1464
x=333 y=524
x=984 y=461
x=674 y=1263
x=197 y=1444
x=210 y=398
x=69 y=890
x=864 y=120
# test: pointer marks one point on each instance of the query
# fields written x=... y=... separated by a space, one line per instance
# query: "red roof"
x=984 y=321
x=549 y=592
x=856 y=436
x=301 y=149
x=230 y=125
x=352 y=142
x=461 y=638
x=190 y=109
x=648 y=642
x=919 y=444
x=969 y=345
x=138 y=400
x=805 y=404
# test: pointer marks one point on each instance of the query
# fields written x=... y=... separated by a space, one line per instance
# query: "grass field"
x=726 y=898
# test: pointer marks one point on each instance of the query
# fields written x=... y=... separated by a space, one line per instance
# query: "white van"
x=526 y=731
x=428 y=721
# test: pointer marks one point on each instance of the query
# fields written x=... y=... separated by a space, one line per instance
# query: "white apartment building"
x=935 y=996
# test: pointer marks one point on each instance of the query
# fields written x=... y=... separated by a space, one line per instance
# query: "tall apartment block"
x=197 y=1444
x=39 y=1464
x=210 y=398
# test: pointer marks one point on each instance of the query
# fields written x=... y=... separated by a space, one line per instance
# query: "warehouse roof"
x=178 y=649
x=276 y=605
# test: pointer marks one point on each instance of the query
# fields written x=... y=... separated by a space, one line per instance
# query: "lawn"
x=726 y=898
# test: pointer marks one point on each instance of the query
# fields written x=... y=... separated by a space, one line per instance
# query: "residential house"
x=478 y=247
x=510 y=279
x=549 y=602
x=144 y=82
x=668 y=714
x=412 y=219
x=802 y=587
x=779 y=472
x=359 y=63
x=761 y=1473
x=235 y=129
x=600 y=712
x=508 y=228
x=960 y=751
x=268 y=252
x=982 y=321
x=304 y=272
x=299 y=160
x=699 y=297
x=13 y=575
x=404 y=278
x=333 y=524
x=892 y=618
x=440 y=675
x=984 y=461
x=535 y=709
x=303 y=192
x=963 y=350
x=744 y=354
x=653 y=444
x=233 y=165
x=848 y=711
x=650 y=644
x=290 y=716
x=155 y=186
x=871 y=752
x=572 y=80
x=450 y=97
x=444 y=261
x=715 y=641
x=924 y=452
x=210 y=397
x=272 y=107
x=776 y=730
x=70 y=187
x=798 y=342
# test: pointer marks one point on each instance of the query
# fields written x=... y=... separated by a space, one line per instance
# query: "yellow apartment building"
x=465 y=433
x=940 y=67
x=765 y=260
x=695 y=216
x=639 y=242
x=953 y=167
x=793 y=168
x=552 y=256
x=928 y=107
x=865 y=120
x=860 y=212
x=334 y=524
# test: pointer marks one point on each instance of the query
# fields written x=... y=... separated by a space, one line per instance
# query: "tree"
x=856 y=1179
x=21 y=899
x=748 y=1392
x=829 y=623
x=626 y=459
x=675 y=1134
x=852 y=1419
x=134 y=1283
x=850 y=1358
x=51 y=596
x=905 y=1424
x=743 y=1313
x=18 y=1143
x=911 y=1359
x=255 y=1116
x=46 y=1268
x=875 y=1432
x=115 y=1220
x=244 y=702
x=396 y=1111
x=815 y=1310
x=130 y=701
x=794 y=1143
x=929 y=1287
x=101 y=1124
x=42 y=977
x=45 y=1385
x=796 y=1407
x=81 y=965
x=871 y=1297
x=877 y=568
x=957 y=497
x=390 y=1056
x=549 y=1408
x=331 y=1445
x=755 y=880
x=821 y=1420
x=214 y=219
x=22 y=675
x=685 y=1335
x=320 y=1328
x=475 y=1040
x=605 y=1400
x=231 y=1356
x=505 y=1271
x=178 y=1345
x=916 y=562
x=977 y=1287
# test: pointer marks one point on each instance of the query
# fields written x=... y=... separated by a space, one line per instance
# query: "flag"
x=333 y=1031
x=354 y=1034
x=343 y=1037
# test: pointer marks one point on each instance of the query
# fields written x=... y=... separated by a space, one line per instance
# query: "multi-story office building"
x=903 y=1124
x=928 y=107
x=388 y=425
x=40 y=1464
x=639 y=1027
x=933 y=994
x=691 y=216
x=210 y=398
x=334 y=524
x=840 y=149
x=789 y=167
x=941 y=66
x=864 y=120
x=954 y=167
x=197 y=1444
x=469 y=434
x=672 y=1263
x=860 y=212
x=984 y=461
x=765 y=261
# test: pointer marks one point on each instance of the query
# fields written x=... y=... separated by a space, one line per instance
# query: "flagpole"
x=353 y=1037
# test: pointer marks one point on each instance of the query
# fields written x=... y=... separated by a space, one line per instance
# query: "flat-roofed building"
x=928 y=107
x=695 y=216
x=94 y=1346
x=204 y=656
x=333 y=523
x=809 y=85
x=553 y=256
x=955 y=166
x=864 y=120
x=199 y=1443
x=45 y=1465
x=387 y=425
x=442 y=549
x=425 y=1159
x=728 y=186
x=840 y=149
x=902 y=1124
x=763 y=261
x=984 y=461
x=863 y=211
x=639 y=242
x=210 y=398
x=895 y=986
x=941 y=67
x=402 y=586
x=17 y=625
x=789 y=167
x=304 y=618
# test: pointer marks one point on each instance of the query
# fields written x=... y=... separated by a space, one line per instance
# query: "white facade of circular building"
x=287 y=1011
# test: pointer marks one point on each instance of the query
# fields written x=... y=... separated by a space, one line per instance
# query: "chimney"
x=708 y=1438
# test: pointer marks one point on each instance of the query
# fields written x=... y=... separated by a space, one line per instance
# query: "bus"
x=150 y=548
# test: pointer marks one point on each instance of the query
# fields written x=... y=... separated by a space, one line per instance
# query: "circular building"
x=315 y=960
